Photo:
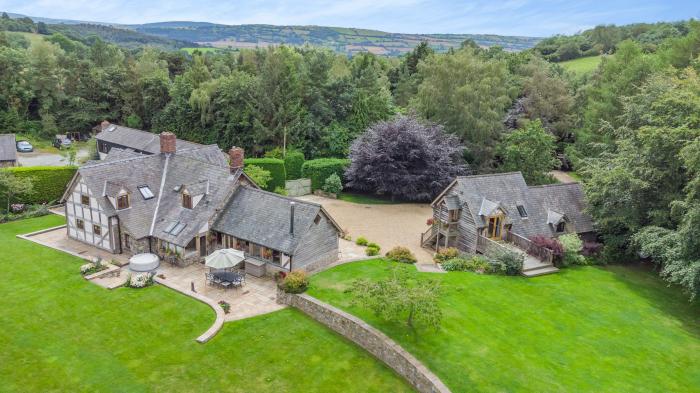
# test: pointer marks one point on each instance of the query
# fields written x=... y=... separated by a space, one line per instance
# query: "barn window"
x=186 y=200
x=123 y=201
x=96 y=229
x=84 y=199
x=79 y=223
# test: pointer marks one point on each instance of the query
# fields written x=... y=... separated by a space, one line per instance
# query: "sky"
x=505 y=17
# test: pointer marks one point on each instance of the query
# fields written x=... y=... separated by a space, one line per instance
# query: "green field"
x=61 y=333
x=587 y=329
x=582 y=65
x=202 y=49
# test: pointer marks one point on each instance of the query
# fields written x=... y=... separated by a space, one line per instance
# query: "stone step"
x=540 y=271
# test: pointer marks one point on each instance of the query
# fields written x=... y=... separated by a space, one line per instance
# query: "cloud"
x=513 y=17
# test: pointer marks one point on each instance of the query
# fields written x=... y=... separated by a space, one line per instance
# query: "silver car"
x=24 y=147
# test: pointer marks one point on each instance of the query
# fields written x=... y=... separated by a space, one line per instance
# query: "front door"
x=495 y=227
x=203 y=246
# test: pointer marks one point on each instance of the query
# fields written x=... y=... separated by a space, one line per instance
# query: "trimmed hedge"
x=273 y=165
x=293 y=163
x=318 y=170
x=49 y=182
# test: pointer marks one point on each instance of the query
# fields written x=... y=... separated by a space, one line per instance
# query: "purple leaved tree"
x=405 y=158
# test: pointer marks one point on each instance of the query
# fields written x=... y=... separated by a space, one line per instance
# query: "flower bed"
x=140 y=280
x=92 y=268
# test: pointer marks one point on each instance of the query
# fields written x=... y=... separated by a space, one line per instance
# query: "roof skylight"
x=146 y=192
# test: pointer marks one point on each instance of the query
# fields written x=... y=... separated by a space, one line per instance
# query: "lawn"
x=582 y=65
x=366 y=199
x=612 y=329
x=62 y=333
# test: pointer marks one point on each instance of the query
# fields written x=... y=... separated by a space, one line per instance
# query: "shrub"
x=374 y=245
x=318 y=170
x=550 y=243
x=225 y=306
x=591 y=248
x=371 y=251
x=506 y=262
x=361 y=241
x=333 y=184
x=281 y=191
x=295 y=282
x=293 y=163
x=140 y=280
x=273 y=165
x=476 y=264
x=260 y=176
x=401 y=254
x=446 y=254
x=572 y=245
x=49 y=183
x=29 y=212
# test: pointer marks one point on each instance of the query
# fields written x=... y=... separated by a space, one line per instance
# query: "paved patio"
x=257 y=296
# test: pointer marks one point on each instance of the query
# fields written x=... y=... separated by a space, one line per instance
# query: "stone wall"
x=369 y=338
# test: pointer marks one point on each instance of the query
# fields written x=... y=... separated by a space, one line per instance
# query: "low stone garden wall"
x=369 y=338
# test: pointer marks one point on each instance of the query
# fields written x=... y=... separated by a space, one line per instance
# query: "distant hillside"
x=339 y=39
x=342 y=40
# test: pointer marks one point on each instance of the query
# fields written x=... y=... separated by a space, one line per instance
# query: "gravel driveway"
x=40 y=158
x=386 y=225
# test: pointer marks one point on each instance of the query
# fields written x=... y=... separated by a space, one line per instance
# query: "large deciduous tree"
x=469 y=95
x=405 y=158
x=530 y=150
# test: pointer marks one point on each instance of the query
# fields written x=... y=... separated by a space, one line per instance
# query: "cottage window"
x=454 y=215
x=96 y=229
x=522 y=211
x=146 y=192
x=561 y=227
x=84 y=199
x=79 y=223
x=127 y=241
x=123 y=201
x=186 y=200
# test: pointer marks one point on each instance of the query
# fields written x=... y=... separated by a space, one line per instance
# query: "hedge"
x=49 y=182
x=293 y=163
x=273 y=165
x=318 y=170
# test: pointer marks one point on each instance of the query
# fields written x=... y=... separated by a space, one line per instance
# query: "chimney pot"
x=291 y=217
x=236 y=156
x=168 y=142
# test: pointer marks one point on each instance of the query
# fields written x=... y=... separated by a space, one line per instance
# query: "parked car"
x=62 y=142
x=24 y=147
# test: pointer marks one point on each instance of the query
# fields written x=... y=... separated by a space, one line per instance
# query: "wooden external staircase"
x=537 y=261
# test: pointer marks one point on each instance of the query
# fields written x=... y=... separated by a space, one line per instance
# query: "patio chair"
x=209 y=278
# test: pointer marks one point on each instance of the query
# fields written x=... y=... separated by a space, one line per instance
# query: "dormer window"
x=186 y=200
x=522 y=211
x=123 y=201
x=561 y=227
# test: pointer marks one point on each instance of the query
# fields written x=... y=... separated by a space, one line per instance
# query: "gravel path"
x=386 y=225
x=563 y=177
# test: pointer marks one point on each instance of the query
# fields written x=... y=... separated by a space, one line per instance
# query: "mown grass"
x=62 y=333
x=366 y=199
x=582 y=65
x=594 y=329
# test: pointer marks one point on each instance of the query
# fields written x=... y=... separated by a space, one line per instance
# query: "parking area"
x=48 y=158
x=387 y=225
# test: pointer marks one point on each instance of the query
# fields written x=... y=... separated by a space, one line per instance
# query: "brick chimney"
x=104 y=124
x=236 y=156
x=167 y=142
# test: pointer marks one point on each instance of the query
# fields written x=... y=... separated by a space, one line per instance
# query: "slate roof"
x=138 y=139
x=484 y=193
x=263 y=218
x=161 y=173
x=8 y=147
x=567 y=199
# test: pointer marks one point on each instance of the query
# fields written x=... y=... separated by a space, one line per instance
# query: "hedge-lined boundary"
x=49 y=182
x=318 y=170
x=273 y=165
x=293 y=162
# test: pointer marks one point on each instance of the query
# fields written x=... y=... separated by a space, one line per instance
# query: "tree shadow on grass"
x=668 y=298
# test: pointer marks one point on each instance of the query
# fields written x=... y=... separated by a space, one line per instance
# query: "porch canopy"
x=224 y=259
